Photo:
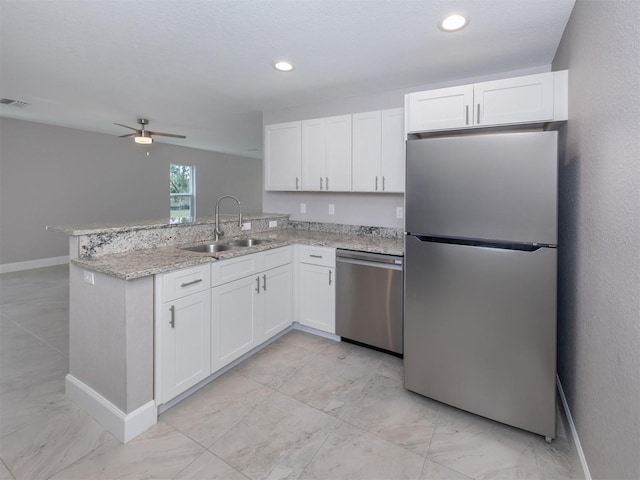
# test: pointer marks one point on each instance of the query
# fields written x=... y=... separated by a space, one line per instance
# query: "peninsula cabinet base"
x=124 y=426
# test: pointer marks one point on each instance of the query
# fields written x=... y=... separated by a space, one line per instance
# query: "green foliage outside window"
x=182 y=191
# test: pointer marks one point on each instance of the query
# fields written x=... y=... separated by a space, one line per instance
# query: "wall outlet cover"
x=246 y=226
x=399 y=212
x=89 y=277
x=332 y=209
x=303 y=208
x=273 y=223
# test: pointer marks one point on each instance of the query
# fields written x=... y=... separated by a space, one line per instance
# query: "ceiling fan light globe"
x=143 y=139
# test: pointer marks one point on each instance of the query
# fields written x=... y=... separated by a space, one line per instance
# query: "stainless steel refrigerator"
x=481 y=275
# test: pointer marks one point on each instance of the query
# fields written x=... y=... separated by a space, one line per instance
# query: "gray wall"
x=59 y=176
x=355 y=208
x=599 y=298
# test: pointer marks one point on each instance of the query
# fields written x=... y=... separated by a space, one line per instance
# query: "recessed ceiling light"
x=284 y=66
x=453 y=22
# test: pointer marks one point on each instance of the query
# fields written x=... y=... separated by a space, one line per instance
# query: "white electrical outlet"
x=89 y=278
x=399 y=212
x=273 y=223
x=246 y=226
x=303 y=208
x=332 y=209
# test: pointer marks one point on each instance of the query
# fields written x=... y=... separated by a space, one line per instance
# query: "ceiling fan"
x=144 y=136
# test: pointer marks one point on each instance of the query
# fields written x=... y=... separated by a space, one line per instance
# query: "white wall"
x=355 y=208
x=599 y=241
x=59 y=176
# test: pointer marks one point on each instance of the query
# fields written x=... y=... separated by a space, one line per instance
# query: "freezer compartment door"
x=480 y=330
x=496 y=186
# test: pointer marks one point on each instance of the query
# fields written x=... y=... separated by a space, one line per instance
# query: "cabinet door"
x=392 y=159
x=441 y=109
x=366 y=152
x=234 y=320
x=514 y=100
x=317 y=298
x=186 y=343
x=314 y=152
x=338 y=154
x=283 y=156
x=276 y=296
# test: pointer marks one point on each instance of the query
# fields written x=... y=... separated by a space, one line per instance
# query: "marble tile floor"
x=303 y=408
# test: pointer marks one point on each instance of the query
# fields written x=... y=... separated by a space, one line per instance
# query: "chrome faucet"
x=217 y=230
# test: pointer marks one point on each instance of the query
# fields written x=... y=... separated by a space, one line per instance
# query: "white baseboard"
x=31 y=264
x=574 y=432
x=319 y=333
x=125 y=426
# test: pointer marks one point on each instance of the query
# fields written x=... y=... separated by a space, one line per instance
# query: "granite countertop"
x=76 y=230
x=142 y=263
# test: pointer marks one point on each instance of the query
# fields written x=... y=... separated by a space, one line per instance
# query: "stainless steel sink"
x=210 y=248
x=246 y=242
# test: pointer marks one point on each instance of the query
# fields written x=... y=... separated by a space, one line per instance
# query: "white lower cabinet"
x=248 y=311
x=234 y=320
x=277 y=301
x=186 y=343
x=210 y=315
x=316 y=288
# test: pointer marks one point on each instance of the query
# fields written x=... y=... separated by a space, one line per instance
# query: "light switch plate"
x=303 y=208
x=246 y=226
x=273 y=223
x=332 y=209
x=399 y=212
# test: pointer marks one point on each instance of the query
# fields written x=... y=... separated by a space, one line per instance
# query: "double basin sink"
x=224 y=246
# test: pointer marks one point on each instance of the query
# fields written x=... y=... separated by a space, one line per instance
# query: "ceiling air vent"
x=14 y=103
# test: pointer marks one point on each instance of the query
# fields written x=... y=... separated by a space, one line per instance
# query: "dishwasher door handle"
x=368 y=263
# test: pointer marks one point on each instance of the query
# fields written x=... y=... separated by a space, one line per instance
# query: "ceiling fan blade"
x=166 y=134
x=127 y=135
x=126 y=126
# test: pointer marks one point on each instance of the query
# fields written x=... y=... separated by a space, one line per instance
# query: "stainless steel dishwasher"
x=369 y=298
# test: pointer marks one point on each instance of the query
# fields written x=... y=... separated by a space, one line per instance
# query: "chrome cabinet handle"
x=478 y=114
x=320 y=183
x=264 y=283
x=376 y=183
x=467 y=114
x=315 y=256
x=258 y=284
x=330 y=272
x=297 y=183
x=326 y=183
x=172 y=322
x=383 y=184
x=193 y=282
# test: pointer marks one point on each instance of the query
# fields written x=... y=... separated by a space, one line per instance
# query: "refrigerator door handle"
x=523 y=247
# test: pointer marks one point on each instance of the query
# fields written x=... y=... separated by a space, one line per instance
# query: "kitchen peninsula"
x=117 y=273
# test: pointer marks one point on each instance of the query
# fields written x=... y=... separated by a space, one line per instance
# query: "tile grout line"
x=7 y=467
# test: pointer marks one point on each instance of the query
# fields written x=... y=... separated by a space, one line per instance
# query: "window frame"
x=191 y=195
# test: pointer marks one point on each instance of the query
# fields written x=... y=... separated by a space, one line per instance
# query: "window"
x=182 y=190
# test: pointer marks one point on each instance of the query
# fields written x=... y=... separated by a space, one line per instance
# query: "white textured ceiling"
x=204 y=68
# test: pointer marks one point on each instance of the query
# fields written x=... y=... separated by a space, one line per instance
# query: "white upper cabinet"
x=326 y=154
x=392 y=158
x=367 y=143
x=360 y=153
x=514 y=100
x=283 y=154
x=378 y=151
x=529 y=99
x=441 y=109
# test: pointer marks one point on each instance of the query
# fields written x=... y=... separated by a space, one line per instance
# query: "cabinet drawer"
x=185 y=282
x=276 y=257
x=317 y=255
x=225 y=271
